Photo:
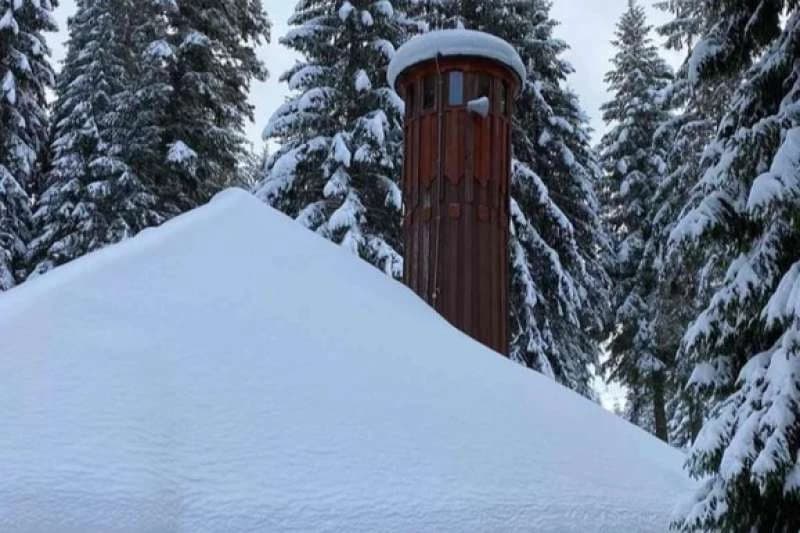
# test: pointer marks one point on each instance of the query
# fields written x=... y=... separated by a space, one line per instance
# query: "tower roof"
x=454 y=43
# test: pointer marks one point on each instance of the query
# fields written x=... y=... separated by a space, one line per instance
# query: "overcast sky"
x=587 y=25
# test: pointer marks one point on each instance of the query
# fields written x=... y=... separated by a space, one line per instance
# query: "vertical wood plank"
x=466 y=226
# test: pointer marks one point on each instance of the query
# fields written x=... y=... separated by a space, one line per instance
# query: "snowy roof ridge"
x=463 y=43
x=28 y=293
x=233 y=371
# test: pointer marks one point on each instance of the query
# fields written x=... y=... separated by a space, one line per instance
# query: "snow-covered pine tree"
x=25 y=75
x=685 y=281
x=148 y=120
x=91 y=197
x=255 y=167
x=339 y=164
x=558 y=245
x=634 y=169
x=747 y=340
x=211 y=58
x=147 y=96
x=15 y=221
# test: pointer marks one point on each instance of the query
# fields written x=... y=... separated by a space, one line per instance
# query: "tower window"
x=503 y=99
x=484 y=86
x=428 y=92
x=411 y=100
x=455 y=88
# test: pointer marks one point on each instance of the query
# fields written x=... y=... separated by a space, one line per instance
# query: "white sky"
x=587 y=25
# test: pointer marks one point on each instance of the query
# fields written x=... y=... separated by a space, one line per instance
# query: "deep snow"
x=232 y=371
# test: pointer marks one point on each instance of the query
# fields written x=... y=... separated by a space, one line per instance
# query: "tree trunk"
x=697 y=419
x=659 y=408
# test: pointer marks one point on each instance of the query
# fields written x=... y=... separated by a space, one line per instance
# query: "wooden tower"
x=459 y=87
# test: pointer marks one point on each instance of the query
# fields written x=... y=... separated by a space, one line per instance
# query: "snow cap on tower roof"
x=454 y=43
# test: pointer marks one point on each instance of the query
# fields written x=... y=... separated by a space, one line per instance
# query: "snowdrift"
x=232 y=371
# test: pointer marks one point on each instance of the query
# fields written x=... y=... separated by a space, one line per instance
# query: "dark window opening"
x=484 y=86
x=503 y=99
x=428 y=92
x=455 y=88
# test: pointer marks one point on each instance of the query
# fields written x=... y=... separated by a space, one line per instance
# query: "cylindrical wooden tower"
x=459 y=87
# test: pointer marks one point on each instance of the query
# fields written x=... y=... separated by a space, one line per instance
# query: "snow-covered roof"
x=233 y=371
x=461 y=43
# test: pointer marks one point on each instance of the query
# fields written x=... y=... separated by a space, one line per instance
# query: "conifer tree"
x=634 y=168
x=25 y=75
x=746 y=340
x=211 y=61
x=91 y=196
x=147 y=98
x=685 y=281
x=558 y=246
x=149 y=117
x=339 y=164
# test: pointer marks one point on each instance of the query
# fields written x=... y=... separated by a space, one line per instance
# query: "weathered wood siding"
x=456 y=196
